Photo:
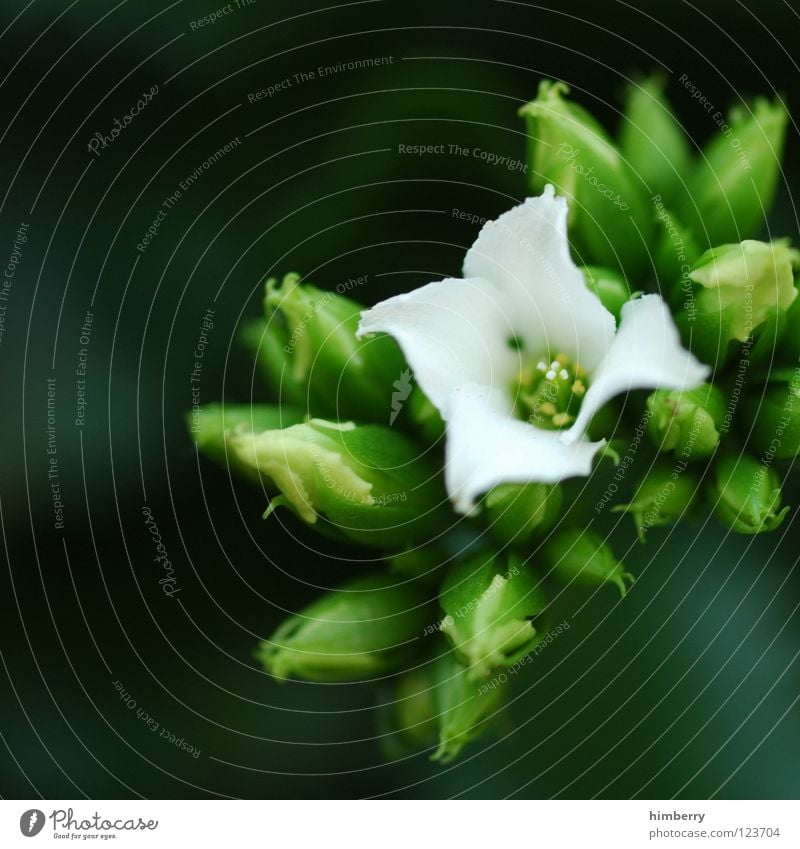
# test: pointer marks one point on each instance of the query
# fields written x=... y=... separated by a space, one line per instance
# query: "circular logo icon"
x=31 y=822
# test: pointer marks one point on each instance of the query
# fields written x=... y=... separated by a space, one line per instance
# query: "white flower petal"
x=486 y=446
x=646 y=354
x=526 y=253
x=451 y=332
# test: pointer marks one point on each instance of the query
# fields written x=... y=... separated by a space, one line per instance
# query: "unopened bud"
x=368 y=627
x=491 y=612
x=771 y=419
x=516 y=513
x=662 y=498
x=746 y=494
x=465 y=709
x=341 y=376
x=686 y=422
x=609 y=286
x=212 y=425
x=610 y=219
x=585 y=558
x=733 y=184
x=738 y=287
x=364 y=483
x=652 y=140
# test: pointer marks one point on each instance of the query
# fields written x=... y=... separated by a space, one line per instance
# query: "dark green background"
x=687 y=688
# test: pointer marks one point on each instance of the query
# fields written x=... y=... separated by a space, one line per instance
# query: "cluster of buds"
x=352 y=448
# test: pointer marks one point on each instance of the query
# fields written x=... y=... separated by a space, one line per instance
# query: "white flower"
x=518 y=356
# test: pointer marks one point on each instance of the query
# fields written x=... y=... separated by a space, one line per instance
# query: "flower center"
x=548 y=391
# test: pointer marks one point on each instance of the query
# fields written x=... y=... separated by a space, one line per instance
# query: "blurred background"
x=687 y=689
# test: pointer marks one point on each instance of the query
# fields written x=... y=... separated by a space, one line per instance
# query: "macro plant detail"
x=627 y=293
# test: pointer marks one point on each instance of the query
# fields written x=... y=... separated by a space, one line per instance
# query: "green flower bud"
x=407 y=720
x=675 y=251
x=368 y=484
x=663 y=497
x=464 y=708
x=267 y=341
x=746 y=495
x=771 y=420
x=211 y=425
x=739 y=287
x=368 y=627
x=609 y=286
x=610 y=218
x=734 y=181
x=652 y=140
x=342 y=376
x=786 y=347
x=686 y=422
x=515 y=513
x=489 y=612
x=583 y=557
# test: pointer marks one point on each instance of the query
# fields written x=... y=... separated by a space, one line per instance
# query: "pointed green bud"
x=686 y=422
x=422 y=561
x=367 y=484
x=771 y=419
x=738 y=288
x=675 y=252
x=515 y=513
x=366 y=628
x=662 y=498
x=342 y=376
x=585 y=558
x=652 y=140
x=211 y=426
x=610 y=218
x=733 y=184
x=465 y=709
x=745 y=494
x=490 y=610
x=407 y=719
x=267 y=342
x=609 y=286
x=787 y=347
